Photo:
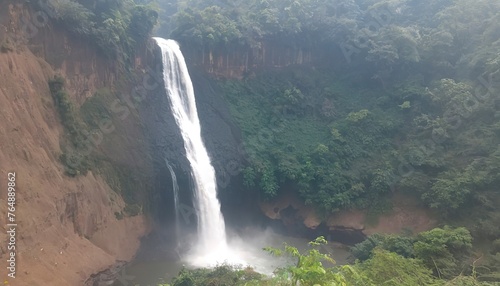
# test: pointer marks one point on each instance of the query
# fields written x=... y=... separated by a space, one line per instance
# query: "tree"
x=143 y=20
x=444 y=250
x=448 y=192
x=309 y=269
x=391 y=269
x=402 y=245
x=75 y=16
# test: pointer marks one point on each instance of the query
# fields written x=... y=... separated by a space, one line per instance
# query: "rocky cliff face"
x=67 y=228
x=348 y=226
x=240 y=61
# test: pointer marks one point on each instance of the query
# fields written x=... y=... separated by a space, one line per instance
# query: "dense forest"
x=412 y=107
x=435 y=69
x=404 y=98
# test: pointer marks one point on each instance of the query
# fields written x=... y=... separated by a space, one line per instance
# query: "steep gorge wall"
x=67 y=227
x=237 y=61
x=288 y=212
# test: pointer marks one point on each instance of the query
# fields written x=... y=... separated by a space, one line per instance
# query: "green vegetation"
x=386 y=38
x=388 y=268
x=116 y=27
x=74 y=143
x=410 y=102
x=441 y=249
x=118 y=215
x=298 y=128
x=220 y=275
x=6 y=46
x=309 y=269
x=383 y=267
x=212 y=23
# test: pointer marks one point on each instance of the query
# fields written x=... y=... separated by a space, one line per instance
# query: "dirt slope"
x=66 y=227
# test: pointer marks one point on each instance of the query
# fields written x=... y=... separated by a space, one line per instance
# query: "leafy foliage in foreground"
x=382 y=268
x=309 y=269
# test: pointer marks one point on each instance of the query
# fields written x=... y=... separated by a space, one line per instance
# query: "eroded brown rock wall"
x=239 y=61
x=406 y=215
x=67 y=228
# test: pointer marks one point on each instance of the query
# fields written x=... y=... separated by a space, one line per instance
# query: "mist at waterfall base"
x=211 y=246
x=247 y=244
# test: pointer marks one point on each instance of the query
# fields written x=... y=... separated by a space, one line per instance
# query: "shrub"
x=309 y=269
x=132 y=210
x=401 y=245
x=391 y=269
x=496 y=246
x=75 y=16
x=73 y=158
x=6 y=47
x=444 y=249
x=220 y=275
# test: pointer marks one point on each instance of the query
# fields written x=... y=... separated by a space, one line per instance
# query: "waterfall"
x=175 y=187
x=211 y=244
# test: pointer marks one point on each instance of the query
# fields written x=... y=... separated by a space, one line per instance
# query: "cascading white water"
x=212 y=246
x=175 y=188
